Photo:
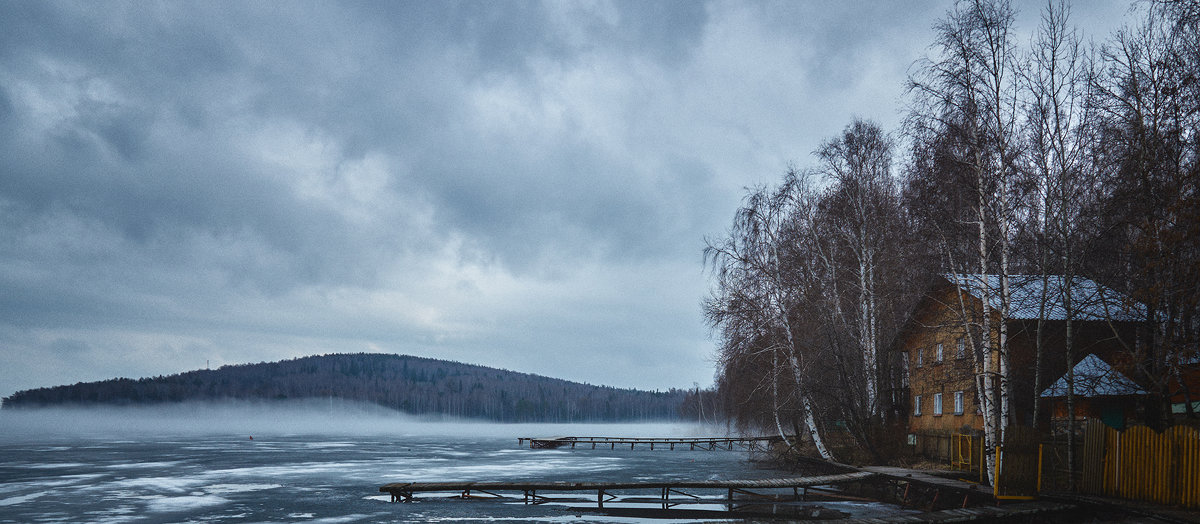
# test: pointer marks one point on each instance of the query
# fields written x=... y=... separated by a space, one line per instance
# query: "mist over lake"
x=309 y=461
x=294 y=417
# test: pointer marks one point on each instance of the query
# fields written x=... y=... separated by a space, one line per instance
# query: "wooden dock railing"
x=407 y=491
x=688 y=443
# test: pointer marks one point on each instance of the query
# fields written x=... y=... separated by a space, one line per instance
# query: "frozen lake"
x=199 y=464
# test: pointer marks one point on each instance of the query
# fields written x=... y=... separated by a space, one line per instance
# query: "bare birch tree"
x=970 y=91
x=1147 y=95
x=1058 y=132
x=751 y=264
x=865 y=212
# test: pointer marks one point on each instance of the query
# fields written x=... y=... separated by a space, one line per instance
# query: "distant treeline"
x=411 y=384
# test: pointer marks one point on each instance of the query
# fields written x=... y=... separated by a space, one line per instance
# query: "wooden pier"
x=729 y=490
x=688 y=443
x=939 y=499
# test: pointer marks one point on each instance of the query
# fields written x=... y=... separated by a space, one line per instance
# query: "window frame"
x=938 y=353
x=937 y=404
x=959 y=402
x=962 y=347
x=916 y=405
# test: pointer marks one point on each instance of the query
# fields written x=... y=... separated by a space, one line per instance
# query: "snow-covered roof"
x=1089 y=300
x=1095 y=378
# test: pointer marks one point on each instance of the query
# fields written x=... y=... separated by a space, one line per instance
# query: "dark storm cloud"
x=485 y=181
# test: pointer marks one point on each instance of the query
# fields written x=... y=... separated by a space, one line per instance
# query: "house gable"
x=938 y=320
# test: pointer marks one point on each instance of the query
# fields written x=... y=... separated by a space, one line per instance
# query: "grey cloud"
x=259 y=179
x=68 y=347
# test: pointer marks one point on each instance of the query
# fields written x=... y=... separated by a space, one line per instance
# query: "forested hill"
x=411 y=384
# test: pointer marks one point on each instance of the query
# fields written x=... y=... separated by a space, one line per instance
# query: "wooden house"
x=944 y=350
x=1101 y=392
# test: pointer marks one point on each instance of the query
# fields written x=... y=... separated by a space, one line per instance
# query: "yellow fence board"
x=1141 y=464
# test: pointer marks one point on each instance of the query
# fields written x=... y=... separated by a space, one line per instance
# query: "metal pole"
x=996 y=475
x=1039 y=481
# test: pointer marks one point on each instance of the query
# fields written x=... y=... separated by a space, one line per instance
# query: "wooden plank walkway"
x=406 y=491
x=915 y=475
x=688 y=443
x=921 y=485
x=1024 y=511
x=959 y=500
x=735 y=495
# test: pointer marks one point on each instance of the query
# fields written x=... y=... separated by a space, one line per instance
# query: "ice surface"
x=144 y=465
x=20 y=499
x=161 y=484
x=184 y=503
x=238 y=488
x=214 y=477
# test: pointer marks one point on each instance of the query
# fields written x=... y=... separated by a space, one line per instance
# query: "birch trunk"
x=805 y=402
x=775 y=397
x=1005 y=304
x=866 y=335
x=985 y=379
x=781 y=309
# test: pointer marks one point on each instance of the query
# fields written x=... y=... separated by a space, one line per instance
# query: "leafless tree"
x=1147 y=99
x=756 y=283
x=969 y=91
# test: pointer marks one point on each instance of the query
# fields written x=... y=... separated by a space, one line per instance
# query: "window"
x=920 y=356
x=917 y=406
x=937 y=404
x=962 y=348
x=939 y=352
x=958 y=402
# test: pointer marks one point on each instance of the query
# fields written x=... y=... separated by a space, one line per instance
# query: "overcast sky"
x=519 y=185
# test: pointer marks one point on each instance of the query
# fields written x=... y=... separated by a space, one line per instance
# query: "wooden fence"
x=1141 y=464
x=1136 y=464
x=966 y=452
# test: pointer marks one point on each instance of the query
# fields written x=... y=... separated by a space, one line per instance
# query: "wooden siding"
x=938 y=320
x=936 y=324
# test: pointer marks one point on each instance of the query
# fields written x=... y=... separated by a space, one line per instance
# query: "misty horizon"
x=242 y=419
